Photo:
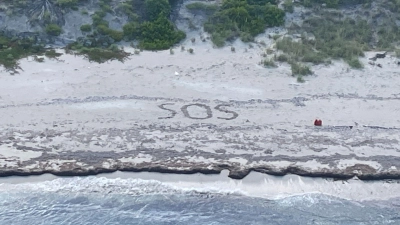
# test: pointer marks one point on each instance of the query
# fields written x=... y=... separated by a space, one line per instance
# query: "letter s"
x=234 y=114
x=173 y=112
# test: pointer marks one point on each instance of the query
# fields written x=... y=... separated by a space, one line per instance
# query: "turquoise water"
x=136 y=201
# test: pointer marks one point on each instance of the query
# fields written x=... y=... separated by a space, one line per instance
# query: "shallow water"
x=95 y=200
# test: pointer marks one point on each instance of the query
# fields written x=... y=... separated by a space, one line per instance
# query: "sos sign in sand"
x=206 y=110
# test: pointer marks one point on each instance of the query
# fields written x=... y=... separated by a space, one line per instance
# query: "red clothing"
x=318 y=123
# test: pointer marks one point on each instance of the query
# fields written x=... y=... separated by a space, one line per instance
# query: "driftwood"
x=378 y=56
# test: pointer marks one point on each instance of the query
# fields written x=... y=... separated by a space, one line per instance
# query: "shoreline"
x=234 y=173
x=254 y=185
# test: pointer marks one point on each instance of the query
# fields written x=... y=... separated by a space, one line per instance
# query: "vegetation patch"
x=210 y=8
x=154 y=30
x=334 y=38
x=300 y=70
x=52 y=54
x=86 y=28
x=244 y=19
x=11 y=50
x=53 y=29
x=159 y=34
x=269 y=63
x=333 y=3
x=97 y=54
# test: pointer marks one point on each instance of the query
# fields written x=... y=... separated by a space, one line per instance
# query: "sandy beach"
x=202 y=112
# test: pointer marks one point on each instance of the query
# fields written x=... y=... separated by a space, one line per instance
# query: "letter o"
x=186 y=112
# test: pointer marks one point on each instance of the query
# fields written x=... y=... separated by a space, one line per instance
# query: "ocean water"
x=99 y=200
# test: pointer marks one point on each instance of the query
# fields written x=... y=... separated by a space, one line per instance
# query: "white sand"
x=336 y=94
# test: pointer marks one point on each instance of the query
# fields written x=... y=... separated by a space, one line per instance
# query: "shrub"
x=190 y=50
x=202 y=6
x=282 y=58
x=355 y=63
x=288 y=5
x=53 y=29
x=269 y=63
x=52 y=54
x=159 y=34
x=242 y=18
x=156 y=7
x=131 y=30
x=86 y=28
x=98 y=54
x=14 y=49
x=300 y=79
x=115 y=34
x=298 y=69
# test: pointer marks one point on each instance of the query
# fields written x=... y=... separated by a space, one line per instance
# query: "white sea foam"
x=254 y=185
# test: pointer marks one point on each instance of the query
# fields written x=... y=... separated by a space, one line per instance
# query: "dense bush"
x=159 y=34
x=154 y=8
x=242 y=18
x=86 y=28
x=11 y=50
x=53 y=29
x=132 y=30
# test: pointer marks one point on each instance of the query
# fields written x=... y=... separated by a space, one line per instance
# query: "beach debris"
x=317 y=122
x=379 y=65
x=380 y=55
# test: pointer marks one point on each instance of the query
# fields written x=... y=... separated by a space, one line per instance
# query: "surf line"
x=208 y=111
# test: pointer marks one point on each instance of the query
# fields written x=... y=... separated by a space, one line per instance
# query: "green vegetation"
x=53 y=29
x=86 y=28
x=333 y=3
x=298 y=69
x=154 y=31
x=355 y=63
x=288 y=6
x=99 y=55
x=242 y=18
x=269 y=63
x=11 y=50
x=202 y=6
x=300 y=79
x=156 y=8
x=52 y=54
x=333 y=39
x=159 y=34
x=299 y=51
